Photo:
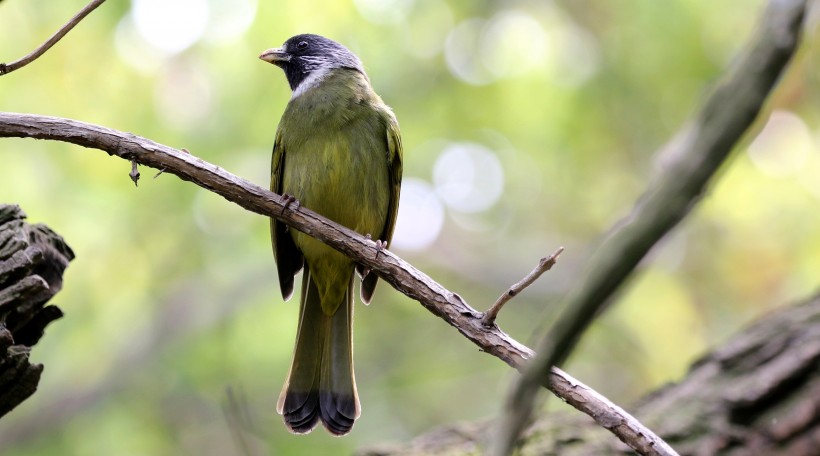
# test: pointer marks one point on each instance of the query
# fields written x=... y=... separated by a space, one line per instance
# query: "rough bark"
x=758 y=394
x=32 y=261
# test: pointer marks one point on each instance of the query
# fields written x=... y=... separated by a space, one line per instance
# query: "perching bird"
x=337 y=152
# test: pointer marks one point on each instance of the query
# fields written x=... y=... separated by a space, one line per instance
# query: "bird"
x=337 y=152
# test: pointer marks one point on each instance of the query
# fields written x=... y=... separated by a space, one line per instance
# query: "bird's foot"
x=287 y=200
x=380 y=245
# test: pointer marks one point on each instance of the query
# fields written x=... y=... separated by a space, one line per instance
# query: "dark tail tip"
x=338 y=412
x=301 y=411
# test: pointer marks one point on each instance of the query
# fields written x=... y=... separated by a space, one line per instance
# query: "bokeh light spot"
x=171 y=26
x=133 y=50
x=783 y=145
x=229 y=18
x=513 y=43
x=462 y=52
x=468 y=177
x=577 y=56
x=421 y=216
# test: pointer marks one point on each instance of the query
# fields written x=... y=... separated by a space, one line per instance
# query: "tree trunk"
x=32 y=261
x=759 y=394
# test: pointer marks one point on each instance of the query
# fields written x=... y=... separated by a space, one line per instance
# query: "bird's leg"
x=287 y=200
x=380 y=245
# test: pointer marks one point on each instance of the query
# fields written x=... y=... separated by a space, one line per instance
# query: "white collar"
x=310 y=82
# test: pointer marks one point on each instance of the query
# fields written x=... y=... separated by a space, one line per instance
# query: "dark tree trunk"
x=759 y=394
x=32 y=261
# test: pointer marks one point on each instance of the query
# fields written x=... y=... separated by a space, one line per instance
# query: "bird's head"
x=307 y=54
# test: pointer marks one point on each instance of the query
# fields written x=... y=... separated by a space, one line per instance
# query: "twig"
x=706 y=143
x=135 y=173
x=184 y=150
x=17 y=64
x=544 y=265
x=400 y=274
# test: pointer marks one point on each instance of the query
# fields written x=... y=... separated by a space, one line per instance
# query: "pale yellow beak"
x=275 y=56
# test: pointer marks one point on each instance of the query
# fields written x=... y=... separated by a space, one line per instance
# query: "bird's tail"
x=321 y=385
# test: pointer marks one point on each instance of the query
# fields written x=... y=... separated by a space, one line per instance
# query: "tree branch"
x=401 y=275
x=35 y=54
x=699 y=151
x=544 y=265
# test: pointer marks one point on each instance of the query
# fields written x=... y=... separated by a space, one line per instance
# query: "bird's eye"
x=302 y=45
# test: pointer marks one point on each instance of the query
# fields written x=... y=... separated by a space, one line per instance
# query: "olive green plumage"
x=338 y=152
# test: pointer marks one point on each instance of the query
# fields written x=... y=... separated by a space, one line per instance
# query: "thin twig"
x=544 y=265
x=703 y=145
x=17 y=64
x=400 y=274
x=135 y=173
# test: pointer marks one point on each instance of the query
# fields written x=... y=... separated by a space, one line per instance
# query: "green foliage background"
x=172 y=301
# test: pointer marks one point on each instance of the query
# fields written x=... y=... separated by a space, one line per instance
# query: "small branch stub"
x=135 y=173
x=544 y=265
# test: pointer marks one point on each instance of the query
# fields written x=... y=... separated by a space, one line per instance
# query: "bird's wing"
x=289 y=260
x=394 y=171
x=394 y=168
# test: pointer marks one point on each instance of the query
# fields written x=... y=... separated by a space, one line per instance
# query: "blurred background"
x=526 y=126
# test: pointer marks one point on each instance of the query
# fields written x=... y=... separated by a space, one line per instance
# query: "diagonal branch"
x=702 y=147
x=401 y=275
x=35 y=54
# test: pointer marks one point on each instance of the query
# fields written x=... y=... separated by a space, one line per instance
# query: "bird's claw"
x=380 y=245
x=287 y=200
